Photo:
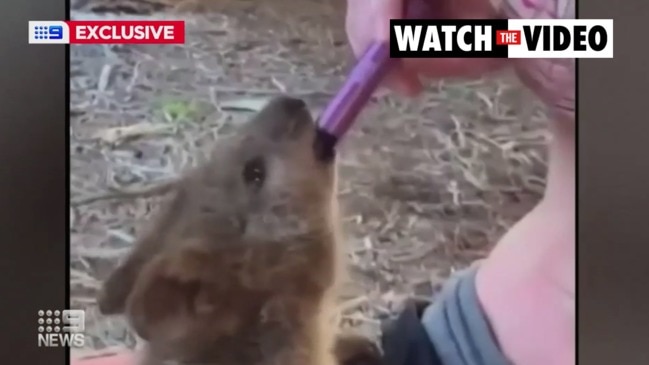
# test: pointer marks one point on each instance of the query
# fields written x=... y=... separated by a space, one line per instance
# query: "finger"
x=383 y=11
x=369 y=21
x=358 y=27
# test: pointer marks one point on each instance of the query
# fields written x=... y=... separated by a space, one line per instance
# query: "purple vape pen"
x=363 y=80
x=357 y=90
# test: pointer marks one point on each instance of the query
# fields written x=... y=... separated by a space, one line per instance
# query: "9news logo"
x=48 y=32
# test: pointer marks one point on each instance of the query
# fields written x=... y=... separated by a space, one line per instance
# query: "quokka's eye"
x=254 y=172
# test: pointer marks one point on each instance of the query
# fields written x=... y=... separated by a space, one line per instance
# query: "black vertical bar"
x=33 y=181
x=613 y=306
x=577 y=175
x=67 y=172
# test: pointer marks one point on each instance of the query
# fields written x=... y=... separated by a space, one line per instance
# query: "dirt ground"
x=427 y=185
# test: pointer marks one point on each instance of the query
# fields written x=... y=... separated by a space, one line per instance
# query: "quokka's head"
x=267 y=181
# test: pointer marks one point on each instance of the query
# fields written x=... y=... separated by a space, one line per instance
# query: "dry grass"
x=427 y=184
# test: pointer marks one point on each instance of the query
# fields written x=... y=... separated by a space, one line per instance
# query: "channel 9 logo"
x=61 y=328
x=48 y=32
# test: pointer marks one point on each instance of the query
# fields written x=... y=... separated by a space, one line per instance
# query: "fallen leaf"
x=180 y=110
x=113 y=135
x=244 y=104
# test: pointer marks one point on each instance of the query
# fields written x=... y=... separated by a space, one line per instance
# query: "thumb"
x=399 y=79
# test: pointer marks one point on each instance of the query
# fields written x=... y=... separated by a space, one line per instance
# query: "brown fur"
x=236 y=273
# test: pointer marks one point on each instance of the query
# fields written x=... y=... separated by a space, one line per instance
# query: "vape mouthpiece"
x=365 y=77
x=324 y=146
x=363 y=80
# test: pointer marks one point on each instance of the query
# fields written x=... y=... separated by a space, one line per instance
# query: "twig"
x=145 y=192
x=251 y=91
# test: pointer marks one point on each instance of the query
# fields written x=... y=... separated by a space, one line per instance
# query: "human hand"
x=369 y=21
x=552 y=80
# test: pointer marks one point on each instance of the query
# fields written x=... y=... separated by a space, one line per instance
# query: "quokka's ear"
x=168 y=297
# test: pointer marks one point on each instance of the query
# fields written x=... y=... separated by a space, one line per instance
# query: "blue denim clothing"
x=451 y=331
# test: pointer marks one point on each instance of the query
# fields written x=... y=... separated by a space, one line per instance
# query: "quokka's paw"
x=169 y=294
x=351 y=349
x=186 y=265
